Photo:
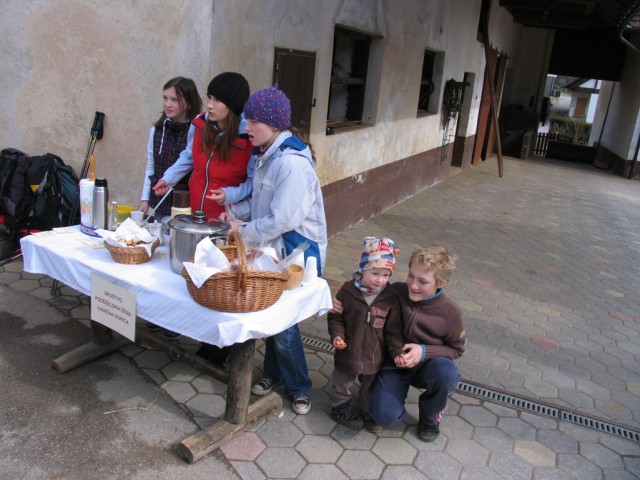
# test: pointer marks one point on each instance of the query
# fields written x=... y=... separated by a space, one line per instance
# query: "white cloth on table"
x=162 y=296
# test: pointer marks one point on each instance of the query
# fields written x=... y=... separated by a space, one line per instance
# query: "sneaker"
x=370 y=424
x=301 y=404
x=345 y=415
x=152 y=327
x=169 y=335
x=428 y=433
x=264 y=386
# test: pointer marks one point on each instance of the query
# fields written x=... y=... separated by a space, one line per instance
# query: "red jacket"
x=211 y=172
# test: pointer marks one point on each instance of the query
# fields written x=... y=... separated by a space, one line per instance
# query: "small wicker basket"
x=131 y=255
x=242 y=290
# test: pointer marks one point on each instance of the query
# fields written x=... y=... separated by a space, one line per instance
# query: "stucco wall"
x=71 y=58
x=622 y=127
x=66 y=59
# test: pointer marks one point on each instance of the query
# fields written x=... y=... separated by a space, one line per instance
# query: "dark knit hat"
x=270 y=106
x=230 y=88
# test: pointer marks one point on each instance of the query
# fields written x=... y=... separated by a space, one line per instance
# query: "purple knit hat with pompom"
x=270 y=106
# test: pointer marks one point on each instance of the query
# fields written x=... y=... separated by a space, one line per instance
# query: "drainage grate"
x=521 y=403
x=547 y=410
x=317 y=343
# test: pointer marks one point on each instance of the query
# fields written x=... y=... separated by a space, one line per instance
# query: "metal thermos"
x=100 y=203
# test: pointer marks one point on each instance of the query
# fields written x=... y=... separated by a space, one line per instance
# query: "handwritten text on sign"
x=113 y=307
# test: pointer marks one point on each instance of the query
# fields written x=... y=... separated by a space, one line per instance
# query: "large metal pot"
x=187 y=231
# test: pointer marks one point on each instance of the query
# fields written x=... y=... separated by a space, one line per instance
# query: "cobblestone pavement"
x=548 y=279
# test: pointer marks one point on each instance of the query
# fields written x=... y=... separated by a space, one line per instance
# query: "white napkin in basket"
x=129 y=230
x=208 y=260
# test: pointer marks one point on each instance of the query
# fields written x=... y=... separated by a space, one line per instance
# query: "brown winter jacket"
x=435 y=323
x=365 y=328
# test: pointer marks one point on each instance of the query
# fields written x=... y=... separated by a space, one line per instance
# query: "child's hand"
x=160 y=188
x=217 y=195
x=144 y=206
x=233 y=224
x=339 y=343
x=337 y=306
x=411 y=356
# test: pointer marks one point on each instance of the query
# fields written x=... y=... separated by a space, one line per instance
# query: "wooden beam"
x=205 y=441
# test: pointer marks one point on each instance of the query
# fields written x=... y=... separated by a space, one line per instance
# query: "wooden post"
x=85 y=353
x=199 y=444
x=101 y=335
x=492 y=104
x=239 y=389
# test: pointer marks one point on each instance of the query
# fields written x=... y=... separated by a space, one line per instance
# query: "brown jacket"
x=435 y=323
x=365 y=329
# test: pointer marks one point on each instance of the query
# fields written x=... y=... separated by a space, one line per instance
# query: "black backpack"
x=38 y=192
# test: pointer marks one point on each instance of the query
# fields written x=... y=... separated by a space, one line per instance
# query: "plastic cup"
x=136 y=215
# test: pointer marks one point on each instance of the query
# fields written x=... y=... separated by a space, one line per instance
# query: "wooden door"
x=581 y=107
x=294 y=72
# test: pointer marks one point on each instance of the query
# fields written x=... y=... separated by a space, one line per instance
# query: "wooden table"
x=162 y=298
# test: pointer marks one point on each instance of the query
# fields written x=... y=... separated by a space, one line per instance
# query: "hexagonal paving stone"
x=360 y=464
x=279 y=434
x=511 y=466
x=205 y=405
x=517 y=428
x=152 y=359
x=181 y=392
x=319 y=449
x=535 y=453
x=246 y=446
x=467 y=452
x=438 y=465
x=353 y=439
x=601 y=456
x=478 y=416
x=493 y=439
x=206 y=384
x=394 y=451
x=316 y=422
x=180 y=372
x=281 y=462
x=578 y=466
x=315 y=472
x=248 y=470
x=404 y=472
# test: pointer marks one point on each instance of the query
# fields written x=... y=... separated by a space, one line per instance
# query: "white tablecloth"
x=162 y=296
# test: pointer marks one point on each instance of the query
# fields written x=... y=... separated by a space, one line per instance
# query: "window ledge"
x=342 y=127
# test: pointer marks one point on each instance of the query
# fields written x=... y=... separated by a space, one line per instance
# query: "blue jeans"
x=438 y=377
x=284 y=360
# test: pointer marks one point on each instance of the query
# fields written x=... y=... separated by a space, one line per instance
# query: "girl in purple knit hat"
x=286 y=209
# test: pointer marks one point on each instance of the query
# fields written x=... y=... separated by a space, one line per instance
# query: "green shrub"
x=570 y=130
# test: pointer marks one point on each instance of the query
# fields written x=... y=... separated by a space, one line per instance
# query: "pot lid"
x=198 y=223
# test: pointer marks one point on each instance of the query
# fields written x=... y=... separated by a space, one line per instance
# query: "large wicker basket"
x=131 y=255
x=242 y=290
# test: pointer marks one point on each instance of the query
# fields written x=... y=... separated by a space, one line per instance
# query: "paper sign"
x=113 y=307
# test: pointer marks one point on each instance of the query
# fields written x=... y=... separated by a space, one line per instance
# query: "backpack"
x=39 y=193
x=69 y=185
x=8 y=159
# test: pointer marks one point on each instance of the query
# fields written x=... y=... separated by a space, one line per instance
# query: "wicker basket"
x=242 y=290
x=131 y=255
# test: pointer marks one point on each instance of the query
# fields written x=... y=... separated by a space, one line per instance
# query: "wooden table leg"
x=239 y=389
x=103 y=342
x=238 y=414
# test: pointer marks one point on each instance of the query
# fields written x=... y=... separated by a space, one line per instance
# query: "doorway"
x=294 y=73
